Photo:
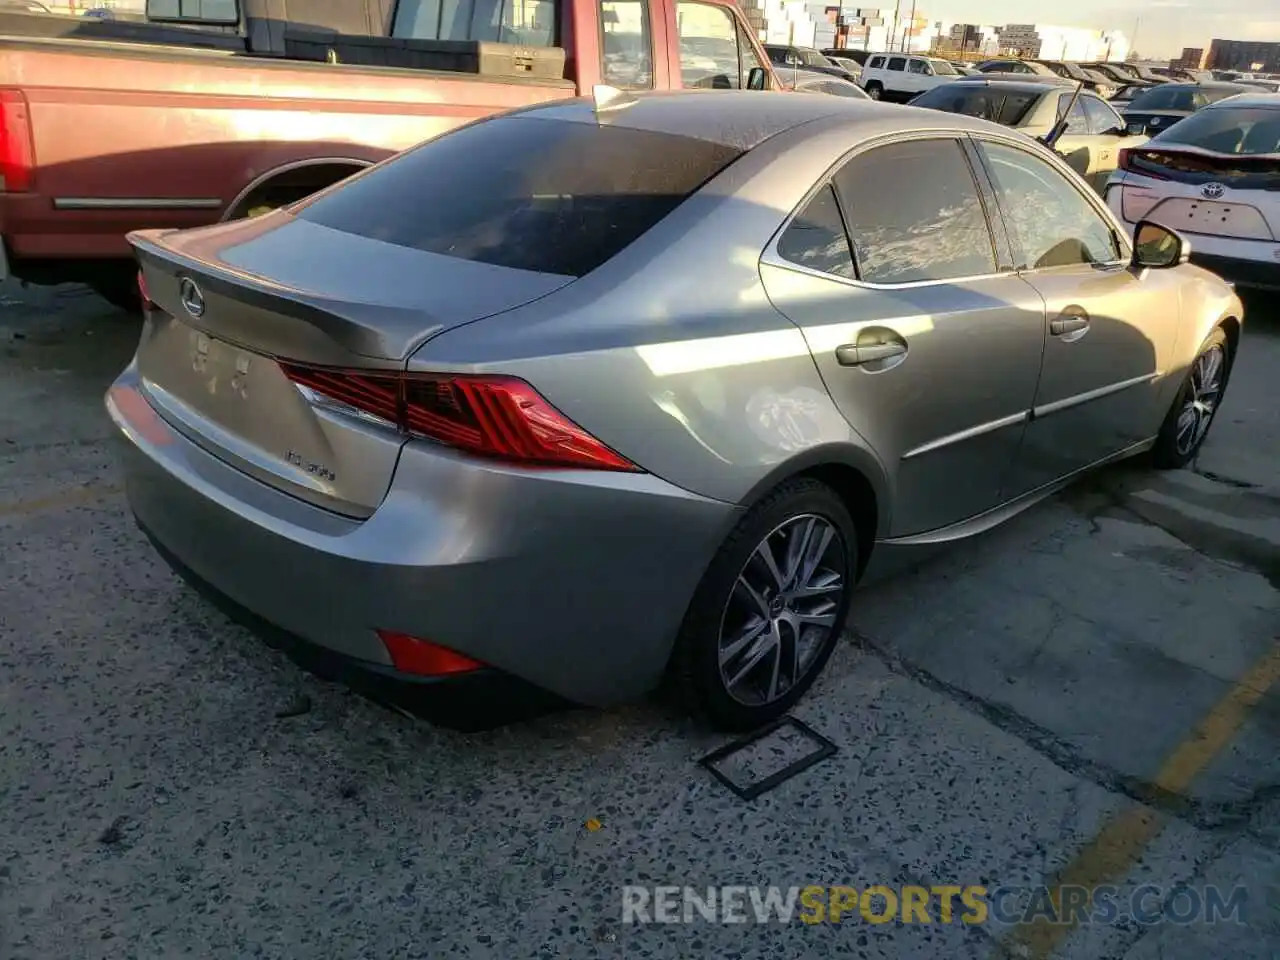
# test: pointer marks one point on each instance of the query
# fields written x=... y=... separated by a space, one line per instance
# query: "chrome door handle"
x=1069 y=323
x=854 y=355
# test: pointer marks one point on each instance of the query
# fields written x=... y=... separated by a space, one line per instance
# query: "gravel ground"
x=1083 y=695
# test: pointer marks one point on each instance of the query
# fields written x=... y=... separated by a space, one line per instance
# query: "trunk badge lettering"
x=192 y=298
x=308 y=466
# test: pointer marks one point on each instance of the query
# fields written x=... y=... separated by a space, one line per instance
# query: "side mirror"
x=758 y=79
x=1158 y=248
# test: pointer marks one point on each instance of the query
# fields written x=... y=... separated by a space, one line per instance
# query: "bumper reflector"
x=423 y=658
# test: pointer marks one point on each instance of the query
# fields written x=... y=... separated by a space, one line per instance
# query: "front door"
x=1110 y=330
x=927 y=340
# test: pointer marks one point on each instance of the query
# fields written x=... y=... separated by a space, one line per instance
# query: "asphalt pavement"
x=1085 y=698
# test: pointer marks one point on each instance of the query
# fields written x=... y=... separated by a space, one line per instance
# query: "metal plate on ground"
x=768 y=758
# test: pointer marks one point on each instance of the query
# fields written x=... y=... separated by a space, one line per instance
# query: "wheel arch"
x=853 y=473
x=343 y=167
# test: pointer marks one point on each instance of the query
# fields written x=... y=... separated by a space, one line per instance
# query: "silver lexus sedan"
x=600 y=393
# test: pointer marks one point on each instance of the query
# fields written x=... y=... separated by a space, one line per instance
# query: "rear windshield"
x=977 y=100
x=551 y=196
x=1240 y=130
x=1164 y=98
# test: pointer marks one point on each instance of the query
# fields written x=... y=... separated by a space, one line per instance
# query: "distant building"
x=1246 y=56
x=968 y=38
x=1047 y=42
x=1192 y=58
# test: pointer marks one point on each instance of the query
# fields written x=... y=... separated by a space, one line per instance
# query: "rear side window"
x=626 y=58
x=897 y=63
x=816 y=237
x=1164 y=98
x=529 y=24
x=977 y=100
x=914 y=214
x=550 y=196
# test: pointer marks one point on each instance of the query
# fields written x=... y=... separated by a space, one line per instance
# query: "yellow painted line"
x=1117 y=847
x=59 y=501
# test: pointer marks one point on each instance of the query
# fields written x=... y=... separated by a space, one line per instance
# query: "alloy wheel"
x=1204 y=393
x=781 y=612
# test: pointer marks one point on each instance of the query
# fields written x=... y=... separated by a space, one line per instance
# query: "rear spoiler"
x=278 y=320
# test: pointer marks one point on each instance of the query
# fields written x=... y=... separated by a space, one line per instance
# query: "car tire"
x=1187 y=424
x=874 y=90
x=792 y=642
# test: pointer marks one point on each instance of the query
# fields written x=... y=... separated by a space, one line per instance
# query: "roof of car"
x=1006 y=84
x=1031 y=81
x=1200 y=85
x=742 y=119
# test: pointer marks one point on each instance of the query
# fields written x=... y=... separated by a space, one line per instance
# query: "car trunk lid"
x=211 y=355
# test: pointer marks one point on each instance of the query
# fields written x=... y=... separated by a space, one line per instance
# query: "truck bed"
x=128 y=135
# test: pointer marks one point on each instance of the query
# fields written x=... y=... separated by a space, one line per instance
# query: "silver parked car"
x=593 y=393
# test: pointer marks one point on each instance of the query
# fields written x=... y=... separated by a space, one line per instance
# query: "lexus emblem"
x=1213 y=191
x=192 y=298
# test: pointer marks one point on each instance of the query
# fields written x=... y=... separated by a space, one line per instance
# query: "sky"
x=1164 y=27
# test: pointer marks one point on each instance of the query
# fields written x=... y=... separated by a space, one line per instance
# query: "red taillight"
x=1124 y=159
x=421 y=657
x=490 y=416
x=17 y=155
x=143 y=293
x=1125 y=162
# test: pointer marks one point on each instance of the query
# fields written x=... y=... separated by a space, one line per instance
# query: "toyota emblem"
x=1213 y=191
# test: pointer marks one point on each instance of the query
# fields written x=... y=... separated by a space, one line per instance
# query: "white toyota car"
x=1214 y=177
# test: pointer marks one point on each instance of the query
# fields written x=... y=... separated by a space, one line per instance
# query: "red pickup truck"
x=108 y=126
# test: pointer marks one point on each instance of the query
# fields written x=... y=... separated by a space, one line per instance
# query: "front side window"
x=914 y=214
x=816 y=237
x=709 y=53
x=897 y=63
x=550 y=196
x=916 y=66
x=1102 y=119
x=876 y=63
x=1050 y=219
x=627 y=50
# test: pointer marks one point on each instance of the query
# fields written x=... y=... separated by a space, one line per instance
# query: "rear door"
x=1110 y=331
x=1076 y=144
x=1108 y=131
x=895 y=77
x=927 y=340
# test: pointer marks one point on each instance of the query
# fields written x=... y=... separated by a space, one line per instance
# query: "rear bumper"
x=1245 y=263
x=574 y=582
x=477 y=700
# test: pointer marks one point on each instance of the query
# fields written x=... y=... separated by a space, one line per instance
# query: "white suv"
x=1215 y=177
x=898 y=77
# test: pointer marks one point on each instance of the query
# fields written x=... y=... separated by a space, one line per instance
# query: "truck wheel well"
x=288 y=184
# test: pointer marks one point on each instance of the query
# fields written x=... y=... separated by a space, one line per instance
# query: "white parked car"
x=1215 y=178
x=898 y=77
